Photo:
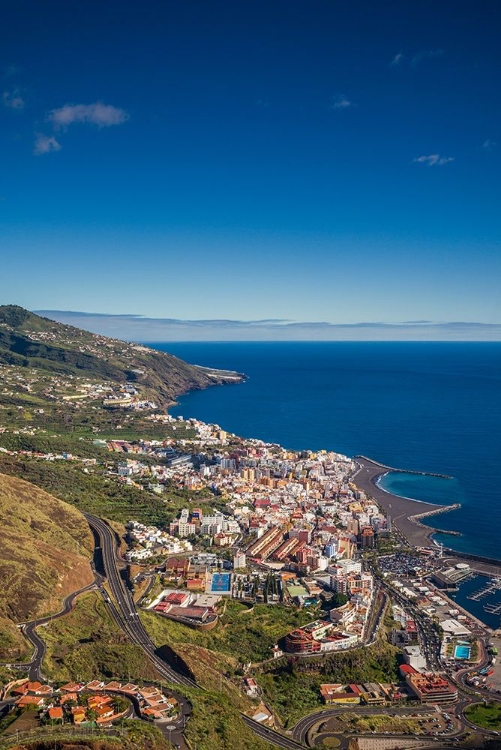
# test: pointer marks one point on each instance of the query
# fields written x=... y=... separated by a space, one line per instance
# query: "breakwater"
x=435 y=512
x=403 y=471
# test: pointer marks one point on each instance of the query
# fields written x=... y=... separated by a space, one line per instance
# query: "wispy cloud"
x=434 y=160
x=13 y=99
x=45 y=144
x=139 y=328
x=341 y=102
x=426 y=54
x=397 y=60
x=102 y=115
x=489 y=145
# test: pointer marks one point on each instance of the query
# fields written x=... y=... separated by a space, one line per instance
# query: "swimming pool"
x=462 y=652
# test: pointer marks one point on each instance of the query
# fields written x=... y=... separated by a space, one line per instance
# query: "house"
x=32 y=688
x=104 y=712
x=113 y=686
x=251 y=687
x=56 y=713
x=78 y=713
x=94 y=685
x=68 y=697
x=30 y=700
x=129 y=687
x=71 y=687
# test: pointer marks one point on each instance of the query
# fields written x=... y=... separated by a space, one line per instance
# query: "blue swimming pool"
x=462 y=652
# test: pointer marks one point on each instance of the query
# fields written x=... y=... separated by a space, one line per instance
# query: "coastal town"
x=226 y=535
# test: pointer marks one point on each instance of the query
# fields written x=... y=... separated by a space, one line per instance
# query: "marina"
x=493 y=585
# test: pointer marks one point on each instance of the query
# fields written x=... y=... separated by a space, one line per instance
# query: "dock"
x=493 y=585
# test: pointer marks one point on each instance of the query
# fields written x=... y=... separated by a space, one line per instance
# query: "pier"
x=493 y=585
x=435 y=512
x=404 y=471
x=493 y=609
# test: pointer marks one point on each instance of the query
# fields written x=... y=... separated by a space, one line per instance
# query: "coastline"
x=403 y=497
x=402 y=510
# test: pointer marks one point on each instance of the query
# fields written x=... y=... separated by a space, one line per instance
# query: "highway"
x=123 y=608
x=270 y=735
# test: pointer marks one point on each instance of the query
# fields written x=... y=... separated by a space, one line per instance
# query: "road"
x=270 y=735
x=34 y=667
x=123 y=608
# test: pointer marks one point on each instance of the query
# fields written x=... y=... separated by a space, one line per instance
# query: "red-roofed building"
x=406 y=669
x=178 y=598
x=431 y=688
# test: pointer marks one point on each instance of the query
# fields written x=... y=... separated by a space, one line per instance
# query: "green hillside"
x=31 y=341
x=45 y=552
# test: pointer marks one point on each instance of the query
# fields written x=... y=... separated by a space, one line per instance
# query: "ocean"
x=421 y=406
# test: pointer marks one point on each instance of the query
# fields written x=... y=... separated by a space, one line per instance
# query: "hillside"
x=31 y=341
x=44 y=554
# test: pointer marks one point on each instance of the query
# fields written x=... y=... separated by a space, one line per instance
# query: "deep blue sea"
x=422 y=406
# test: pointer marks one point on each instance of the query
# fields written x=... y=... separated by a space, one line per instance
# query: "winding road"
x=34 y=667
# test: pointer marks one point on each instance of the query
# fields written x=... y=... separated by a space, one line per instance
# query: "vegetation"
x=216 y=724
x=29 y=340
x=45 y=551
x=292 y=698
x=337 y=600
x=365 y=724
x=487 y=716
x=87 y=644
x=247 y=635
x=130 y=735
x=94 y=493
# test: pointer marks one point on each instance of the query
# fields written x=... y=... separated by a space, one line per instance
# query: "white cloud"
x=426 y=54
x=44 y=144
x=397 y=60
x=489 y=144
x=13 y=99
x=341 y=102
x=434 y=159
x=102 y=115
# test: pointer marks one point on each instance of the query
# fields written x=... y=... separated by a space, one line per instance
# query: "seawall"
x=403 y=471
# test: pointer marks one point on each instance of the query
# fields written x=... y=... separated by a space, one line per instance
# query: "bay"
x=420 y=406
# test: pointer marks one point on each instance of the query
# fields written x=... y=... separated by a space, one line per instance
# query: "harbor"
x=493 y=585
x=480 y=595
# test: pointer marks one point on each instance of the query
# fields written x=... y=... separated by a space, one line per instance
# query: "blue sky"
x=308 y=161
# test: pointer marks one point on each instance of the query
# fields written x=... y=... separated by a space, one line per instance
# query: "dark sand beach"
x=399 y=508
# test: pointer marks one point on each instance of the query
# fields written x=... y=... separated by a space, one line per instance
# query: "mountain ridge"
x=30 y=340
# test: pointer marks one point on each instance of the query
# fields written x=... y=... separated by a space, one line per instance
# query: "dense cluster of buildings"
x=92 y=702
x=148 y=542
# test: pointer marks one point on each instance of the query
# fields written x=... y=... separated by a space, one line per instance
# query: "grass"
x=95 y=493
x=293 y=689
x=44 y=555
x=86 y=644
x=487 y=716
x=247 y=635
x=133 y=735
x=216 y=724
